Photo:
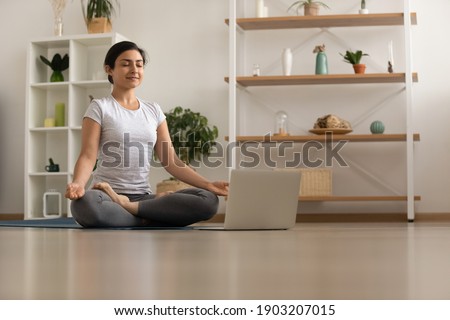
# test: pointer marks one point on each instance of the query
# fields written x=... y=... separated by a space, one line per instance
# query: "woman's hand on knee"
x=74 y=191
x=219 y=188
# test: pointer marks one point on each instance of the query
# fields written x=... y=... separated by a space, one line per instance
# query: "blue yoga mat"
x=69 y=223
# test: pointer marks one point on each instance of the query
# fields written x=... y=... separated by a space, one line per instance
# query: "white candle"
x=266 y=12
x=259 y=8
x=391 y=53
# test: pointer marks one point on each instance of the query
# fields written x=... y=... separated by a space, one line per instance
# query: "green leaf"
x=57 y=63
x=45 y=60
x=65 y=63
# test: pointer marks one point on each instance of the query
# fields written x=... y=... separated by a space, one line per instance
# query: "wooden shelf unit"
x=404 y=19
x=246 y=81
x=355 y=198
x=396 y=137
x=337 y=137
x=324 y=21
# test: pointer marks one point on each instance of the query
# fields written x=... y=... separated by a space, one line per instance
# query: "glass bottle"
x=281 y=124
x=58 y=27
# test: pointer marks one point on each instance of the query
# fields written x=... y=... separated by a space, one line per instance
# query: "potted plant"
x=354 y=58
x=311 y=7
x=58 y=65
x=192 y=139
x=97 y=15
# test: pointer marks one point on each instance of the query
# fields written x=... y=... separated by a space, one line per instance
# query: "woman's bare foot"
x=123 y=201
x=162 y=194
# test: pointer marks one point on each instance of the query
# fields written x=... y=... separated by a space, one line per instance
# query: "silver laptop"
x=261 y=200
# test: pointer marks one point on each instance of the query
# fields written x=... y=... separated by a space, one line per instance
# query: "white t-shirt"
x=126 y=143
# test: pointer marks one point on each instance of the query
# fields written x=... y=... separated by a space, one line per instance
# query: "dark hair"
x=119 y=48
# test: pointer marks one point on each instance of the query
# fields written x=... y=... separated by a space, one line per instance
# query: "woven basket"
x=171 y=185
x=314 y=182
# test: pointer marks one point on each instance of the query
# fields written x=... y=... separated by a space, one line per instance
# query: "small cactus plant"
x=377 y=127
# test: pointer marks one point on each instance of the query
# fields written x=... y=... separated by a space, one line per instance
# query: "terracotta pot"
x=99 y=25
x=312 y=9
x=359 y=68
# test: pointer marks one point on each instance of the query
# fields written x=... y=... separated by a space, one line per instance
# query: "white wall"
x=187 y=44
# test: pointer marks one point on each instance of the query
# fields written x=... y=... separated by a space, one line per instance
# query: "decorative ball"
x=377 y=127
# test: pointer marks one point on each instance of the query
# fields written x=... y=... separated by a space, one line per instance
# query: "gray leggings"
x=179 y=209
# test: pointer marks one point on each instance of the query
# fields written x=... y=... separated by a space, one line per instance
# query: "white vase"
x=259 y=8
x=286 y=61
x=363 y=11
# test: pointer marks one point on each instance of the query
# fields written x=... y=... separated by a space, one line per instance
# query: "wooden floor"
x=311 y=261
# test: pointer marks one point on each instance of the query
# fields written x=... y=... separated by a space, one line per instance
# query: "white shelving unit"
x=239 y=26
x=62 y=144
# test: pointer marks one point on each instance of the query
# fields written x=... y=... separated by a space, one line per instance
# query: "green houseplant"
x=191 y=135
x=58 y=65
x=192 y=138
x=98 y=13
x=311 y=7
x=354 y=58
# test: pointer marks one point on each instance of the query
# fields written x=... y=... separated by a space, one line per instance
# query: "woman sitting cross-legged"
x=121 y=132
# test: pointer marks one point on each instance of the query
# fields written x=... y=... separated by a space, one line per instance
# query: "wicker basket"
x=314 y=182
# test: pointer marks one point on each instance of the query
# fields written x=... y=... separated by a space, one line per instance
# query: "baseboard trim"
x=11 y=216
x=433 y=217
x=323 y=217
x=358 y=217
